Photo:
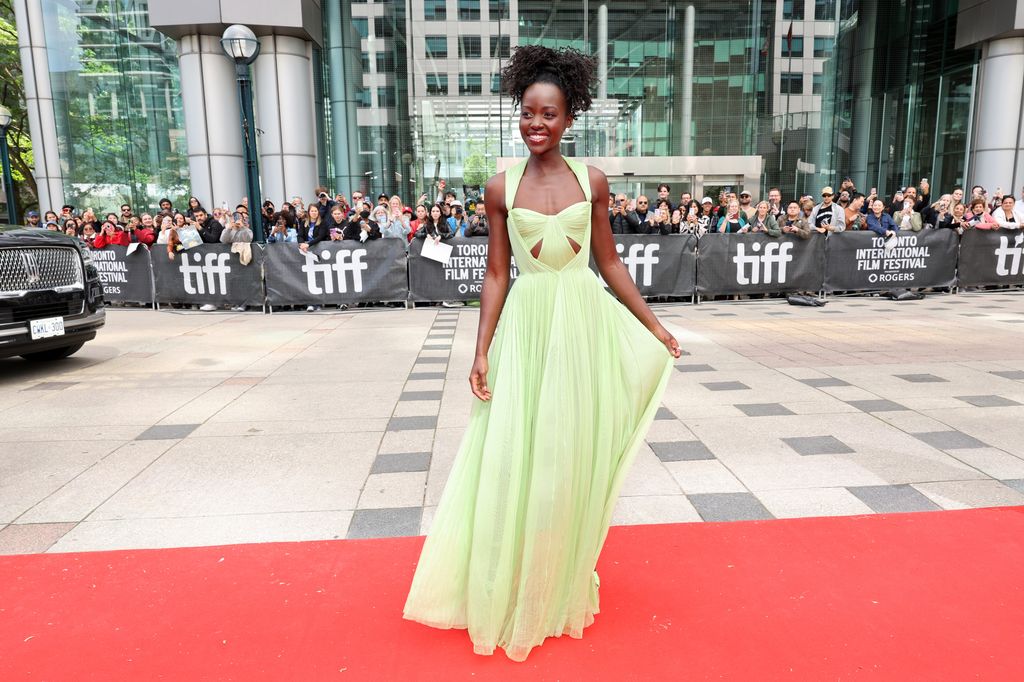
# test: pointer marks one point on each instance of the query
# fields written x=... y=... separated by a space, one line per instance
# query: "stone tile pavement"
x=179 y=429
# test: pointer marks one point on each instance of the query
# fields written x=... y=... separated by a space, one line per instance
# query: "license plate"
x=45 y=328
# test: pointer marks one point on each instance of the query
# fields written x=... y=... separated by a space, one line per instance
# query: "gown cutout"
x=575 y=382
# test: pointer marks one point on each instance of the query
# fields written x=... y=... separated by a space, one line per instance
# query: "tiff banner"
x=991 y=257
x=659 y=265
x=460 y=279
x=127 y=277
x=209 y=273
x=858 y=261
x=757 y=263
x=336 y=272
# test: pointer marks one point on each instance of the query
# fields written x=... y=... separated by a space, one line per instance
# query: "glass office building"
x=408 y=91
x=116 y=103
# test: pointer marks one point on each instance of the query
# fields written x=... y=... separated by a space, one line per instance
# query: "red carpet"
x=924 y=596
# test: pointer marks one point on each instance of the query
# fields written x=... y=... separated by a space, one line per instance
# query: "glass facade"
x=117 y=104
x=411 y=92
x=779 y=80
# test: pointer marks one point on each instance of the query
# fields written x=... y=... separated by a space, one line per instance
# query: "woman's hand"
x=303 y=247
x=478 y=378
x=665 y=336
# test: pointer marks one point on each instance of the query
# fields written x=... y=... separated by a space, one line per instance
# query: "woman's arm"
x=602 y=246
x=496 y=282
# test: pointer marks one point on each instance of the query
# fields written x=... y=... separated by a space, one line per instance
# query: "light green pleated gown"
x=575 y=381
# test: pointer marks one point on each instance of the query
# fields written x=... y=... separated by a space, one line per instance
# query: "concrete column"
x=282 y=78
x=863 y=71
x=998 y=144
x=686 y=96
x=212 y=121
x=42 y=122
x=602 y=51
x=344 y=71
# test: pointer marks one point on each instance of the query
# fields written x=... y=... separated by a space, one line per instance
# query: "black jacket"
x=210 y=231
x=353 y=229
x=321 y=233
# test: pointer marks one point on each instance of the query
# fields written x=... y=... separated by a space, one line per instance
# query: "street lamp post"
x=12 y=204
x=241 y=45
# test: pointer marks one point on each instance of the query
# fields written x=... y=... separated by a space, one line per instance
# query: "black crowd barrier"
x=210 y=273
x=858 y=261
x=336 y=272
x=756 y=263
x=991 y=257
x=346 y=272
x=127 y=277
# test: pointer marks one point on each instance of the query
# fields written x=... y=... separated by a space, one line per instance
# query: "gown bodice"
x=528 y=227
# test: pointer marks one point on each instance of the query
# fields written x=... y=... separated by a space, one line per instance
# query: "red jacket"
x=118 y=239
x=145 y=235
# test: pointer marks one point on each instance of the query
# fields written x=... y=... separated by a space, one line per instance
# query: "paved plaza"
x=182 y=428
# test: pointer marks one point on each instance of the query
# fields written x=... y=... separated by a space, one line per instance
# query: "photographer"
x=362 y=228
x=625 y=221
x=282 y=232
x=237 y=229
x=457 y=221
x=110 y=235
x=478 y=222
x=208 y=228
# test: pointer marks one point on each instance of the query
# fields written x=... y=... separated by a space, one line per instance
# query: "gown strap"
x=582 y=175
x=513 y=175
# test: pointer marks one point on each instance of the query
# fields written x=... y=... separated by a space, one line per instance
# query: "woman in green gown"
x=568 y=380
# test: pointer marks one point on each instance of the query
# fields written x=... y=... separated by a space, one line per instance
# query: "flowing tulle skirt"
x=510 y=555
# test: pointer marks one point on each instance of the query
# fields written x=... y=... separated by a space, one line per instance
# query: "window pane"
x=497 y=9
x=362 y=26
x=469 y=9
x=437 y=84
x=469 y=47
x=816 y=80
x=499 y=47
x=495 y=84
x=823 y=47
x=434 y=10
x=470 y=84
x=383 y=28
x=824 y=10
x=797 y=49
x=437 y=46
x=793 y=9
x=792 y=84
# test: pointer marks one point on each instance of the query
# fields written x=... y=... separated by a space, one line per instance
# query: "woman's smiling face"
x=543 y=117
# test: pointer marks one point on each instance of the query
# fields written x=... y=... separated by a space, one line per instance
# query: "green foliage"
x=12 y=95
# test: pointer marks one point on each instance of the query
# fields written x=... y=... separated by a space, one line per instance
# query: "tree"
x=12 y=96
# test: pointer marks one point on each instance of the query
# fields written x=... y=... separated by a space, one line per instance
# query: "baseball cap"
x=456 y=202
x=745 y=193
x=827 y=190
x=382 y=196
x=706 y=200
x=51 y=222
x=33 y=214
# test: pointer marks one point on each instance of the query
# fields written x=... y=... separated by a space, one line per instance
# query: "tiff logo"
x=332 y=272
x=204 y=278
x=774 y=254
x=643 y=257
x=1009 y=257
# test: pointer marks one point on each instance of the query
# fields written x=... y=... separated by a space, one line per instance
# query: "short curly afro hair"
x=574 y=72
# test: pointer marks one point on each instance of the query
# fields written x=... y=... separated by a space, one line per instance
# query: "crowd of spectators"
x=909 y=208
x=362 y=218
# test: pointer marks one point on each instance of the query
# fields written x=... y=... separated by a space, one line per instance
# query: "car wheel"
x=53 y=353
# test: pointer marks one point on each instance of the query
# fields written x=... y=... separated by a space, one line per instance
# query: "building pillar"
x=686 y=96
x=863 y=72
x=998 y=138
x=345 y=77
x=42 y=123
x=283 y=79
x=209 y=96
